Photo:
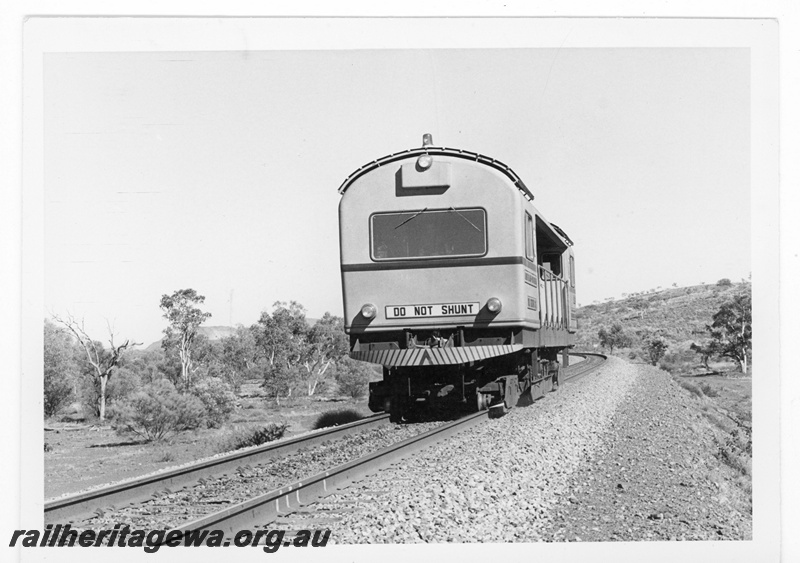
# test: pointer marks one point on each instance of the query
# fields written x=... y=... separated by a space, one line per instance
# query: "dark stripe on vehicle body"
x=434 y=263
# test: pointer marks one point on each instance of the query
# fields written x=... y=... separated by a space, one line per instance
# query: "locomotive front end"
x=434 y=276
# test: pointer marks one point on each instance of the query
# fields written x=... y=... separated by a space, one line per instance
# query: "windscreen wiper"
x=465 y=219
x=409 y=219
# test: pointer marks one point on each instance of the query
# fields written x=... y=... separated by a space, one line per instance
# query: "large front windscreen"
x=429 y=234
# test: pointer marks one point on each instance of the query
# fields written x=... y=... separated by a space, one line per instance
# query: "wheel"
x=481 y=401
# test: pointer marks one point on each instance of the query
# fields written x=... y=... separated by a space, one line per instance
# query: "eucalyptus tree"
x=184 y=317
x=102 y=360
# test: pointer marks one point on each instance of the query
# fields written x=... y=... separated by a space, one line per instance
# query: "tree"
x=60 y=369
x=706 y=351
x=102 y=360
x=656 y=348
x=641 y=305
x=145 y=364
x=324 y=343
x=353 y=377
x=613 y=338
x=184 y=317
x=280 y=337
x=732 y=329
x=237 y=357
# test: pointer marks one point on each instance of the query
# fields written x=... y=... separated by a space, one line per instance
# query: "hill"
x=678 y=315
x=213 y=333
x=210 y=332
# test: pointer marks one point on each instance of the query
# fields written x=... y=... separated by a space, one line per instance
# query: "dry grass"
x=726 y=406
x=237 y=438
x=337 y=417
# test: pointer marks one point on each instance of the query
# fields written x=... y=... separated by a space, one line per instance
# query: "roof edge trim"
x=439 y=151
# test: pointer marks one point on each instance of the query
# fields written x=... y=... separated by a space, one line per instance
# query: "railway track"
x=291 y=498
x=86 y=504
x=591 y=362
x=286 y=499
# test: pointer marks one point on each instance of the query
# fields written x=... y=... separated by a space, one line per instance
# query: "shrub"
x=166 y=457
x=336 y=418
x=158 y=411
x=60 y=370
x=690 y=387
x=217 y=398
x=353 y=377
x=248 y=437
x=122 y=383
x=708 y=390
x=57 y=392
x=656 y=349
x=724 y=282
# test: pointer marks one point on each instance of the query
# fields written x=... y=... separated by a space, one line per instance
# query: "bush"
x=724 y=282
x=158 y=411
x=60 y=370
x=708 y=390
x=690 y=387
x=57 y=392
x=656 y=349
x=121 y=384
x=353 y=377
x=336 y=418
x=249 y=437
x=218 y=399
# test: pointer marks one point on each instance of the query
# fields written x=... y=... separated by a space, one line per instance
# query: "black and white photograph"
x=400 y=287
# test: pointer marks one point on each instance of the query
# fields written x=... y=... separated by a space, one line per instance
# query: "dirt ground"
x=83 y=456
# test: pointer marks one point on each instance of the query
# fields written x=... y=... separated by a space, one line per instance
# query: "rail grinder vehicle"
x=453 y=282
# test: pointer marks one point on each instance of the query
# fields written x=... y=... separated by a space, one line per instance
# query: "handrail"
x=550 y=273
x=552 y=296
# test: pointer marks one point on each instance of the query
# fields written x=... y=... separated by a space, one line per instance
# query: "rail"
x=266 y=508
x=88 y=503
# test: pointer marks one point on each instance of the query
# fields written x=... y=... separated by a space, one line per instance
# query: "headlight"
x=368 y=311
x=424 y=161
x=494 y=305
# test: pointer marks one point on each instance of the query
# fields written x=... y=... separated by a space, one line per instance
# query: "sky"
x=219 y=170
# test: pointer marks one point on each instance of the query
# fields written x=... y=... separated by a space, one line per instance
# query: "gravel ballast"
x=215 y=493
x=657 y=477
x=617 y=455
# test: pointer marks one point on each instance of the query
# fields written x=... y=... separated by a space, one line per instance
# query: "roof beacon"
x=427 y=140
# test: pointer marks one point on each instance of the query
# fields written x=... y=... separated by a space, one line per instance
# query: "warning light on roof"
x=427 y=140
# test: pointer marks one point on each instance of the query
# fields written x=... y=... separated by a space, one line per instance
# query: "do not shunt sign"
x=432 y=310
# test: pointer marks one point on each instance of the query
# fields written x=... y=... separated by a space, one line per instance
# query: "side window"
x=572 y=270
x=530 y=247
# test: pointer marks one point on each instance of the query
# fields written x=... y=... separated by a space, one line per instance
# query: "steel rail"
x=267 y=507
x=592 y=362
x=81 y=505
